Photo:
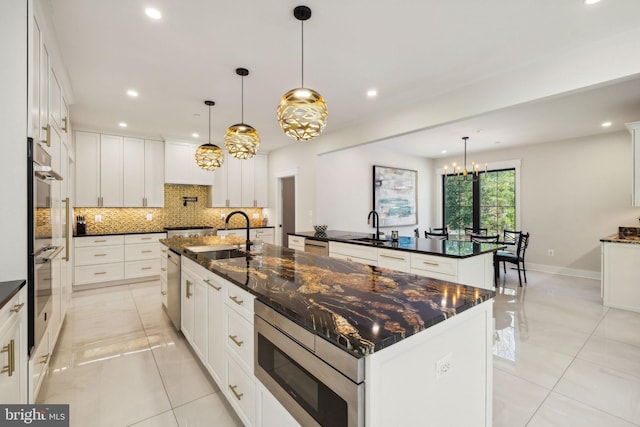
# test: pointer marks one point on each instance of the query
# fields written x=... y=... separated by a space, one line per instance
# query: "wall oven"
x=41 y=251
x=318 y=383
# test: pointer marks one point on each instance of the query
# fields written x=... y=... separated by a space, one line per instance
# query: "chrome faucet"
x=226 y=224
x=376 y=222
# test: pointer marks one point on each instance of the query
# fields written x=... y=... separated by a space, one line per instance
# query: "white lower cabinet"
x=217 y=326
x=264 y=234
x=270 y=412
x=394 y=260
x=620 y=272
x=38 y=365
x=164 y=259
x=13 y=350
x=296 y=242
x=240 y=391
x=356 y=253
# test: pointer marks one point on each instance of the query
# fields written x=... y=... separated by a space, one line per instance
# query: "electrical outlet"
x=149 y=217
x=222 y=216
x=443 y=366
x=98 y=218
x=255 y=216
x=551 y=252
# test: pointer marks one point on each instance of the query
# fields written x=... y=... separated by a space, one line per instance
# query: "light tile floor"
x=560 y=359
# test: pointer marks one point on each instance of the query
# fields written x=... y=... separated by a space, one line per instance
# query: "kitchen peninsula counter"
x=359 y=308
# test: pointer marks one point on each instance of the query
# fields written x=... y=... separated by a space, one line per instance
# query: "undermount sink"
x=371 y=240
x=214 y=252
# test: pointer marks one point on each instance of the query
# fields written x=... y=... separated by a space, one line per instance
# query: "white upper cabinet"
x=234 y=181
x=634 y=128
x=55 y=105
x=240 y=183
x=99 y=170
x=154 y=174
x=34 y=80
x=219 y=189
x=44 y=134
x=133 y=179
x=248 y=182
x=260 y=179
x=180 y=165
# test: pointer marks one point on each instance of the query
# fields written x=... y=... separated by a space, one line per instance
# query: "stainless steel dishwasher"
x=318 y=247
x=173 y=288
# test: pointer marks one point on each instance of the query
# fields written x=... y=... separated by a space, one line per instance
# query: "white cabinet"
x=270 y=412
x=13 y=350
x=35 y=80
x=217 y=326
x=193 y=303
x=143 y=178
x=180 y=165
x=99 y=170
x=634 y=128
x=164 y=259
x=54 y=99
x=620 y=272
x=356 y=253
x=187 y=280
x=394 y=260
x=297 y=243
x=264 y=234
x=240 y=183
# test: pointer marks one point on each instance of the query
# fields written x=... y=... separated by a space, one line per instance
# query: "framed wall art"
x=395 y=195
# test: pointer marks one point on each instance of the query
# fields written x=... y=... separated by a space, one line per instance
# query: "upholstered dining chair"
x=516 y=257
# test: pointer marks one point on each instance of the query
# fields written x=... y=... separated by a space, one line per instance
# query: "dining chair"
x=510 y=237
x=516 y=257
x=444 y=235
x=439 y=230
x=468 y=231
x=483 y=238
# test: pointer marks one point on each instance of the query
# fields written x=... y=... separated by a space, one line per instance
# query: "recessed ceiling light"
x=591 y=1
x=606 y=124
x=480 y=130
x=153 y=13
x=132 y=93
x=195 y=135
x=444 y=151
x=122 y=124
x=371 y=93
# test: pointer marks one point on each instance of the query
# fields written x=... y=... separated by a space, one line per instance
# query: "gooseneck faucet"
x=226 y=224
x=376 y=222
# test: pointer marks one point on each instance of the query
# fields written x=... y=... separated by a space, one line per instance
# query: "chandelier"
x=461 y=172
x=302 y=112
x=209 y=156
x=242 y=140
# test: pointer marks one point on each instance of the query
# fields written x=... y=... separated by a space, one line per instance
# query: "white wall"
x=344 y=187
x=13 y=139
x=573 y=193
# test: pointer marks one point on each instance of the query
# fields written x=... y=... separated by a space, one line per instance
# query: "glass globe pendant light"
x=242 y=140
x=302 y=112
x=209 y=156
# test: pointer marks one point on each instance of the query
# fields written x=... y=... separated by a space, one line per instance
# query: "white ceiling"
x=409 y=51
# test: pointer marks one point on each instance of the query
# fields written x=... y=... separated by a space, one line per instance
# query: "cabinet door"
x=395 y=260
x=133 y=172
x=87 y=169
x=260 y=179
x=217 y=327
x=44 y=92
x=111 y=171
x=247 y=184
x=153 y=174
x=219 y=198
x=13 y=357
x=180 y=165
x=234 y=181
x=54 y=98
x=186 y=304
x=200 y=318
x=34 y=80
x=270 y=412
x=636 y=164
x=64 y=112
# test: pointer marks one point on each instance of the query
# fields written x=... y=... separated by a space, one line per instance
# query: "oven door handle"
x=50 y=258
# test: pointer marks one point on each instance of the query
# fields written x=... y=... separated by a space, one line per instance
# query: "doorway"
x=288 y=207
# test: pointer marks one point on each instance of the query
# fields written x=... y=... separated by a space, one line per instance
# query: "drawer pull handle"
x=236 y=342
x=349 y=259
x=430 y=263
x=146 y=252
x=100 y=255
x=235 y=393
x=208 y=282
x=392 y=257
x=10 y=368
x=163 y=292
x=99 y=272
x=99 y=241
x=189 y=289
x=146 y=268
x=236 y=300
x=45 y=358
x=145 y=238
x=163 y=269
x=164 y=251
x=17 y=307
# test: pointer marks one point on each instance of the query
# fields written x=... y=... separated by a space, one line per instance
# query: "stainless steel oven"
x=318 y=383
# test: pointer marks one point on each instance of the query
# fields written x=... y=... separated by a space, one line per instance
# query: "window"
x=488 y=203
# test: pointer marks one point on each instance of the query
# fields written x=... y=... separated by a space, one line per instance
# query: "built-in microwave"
x=317 y=391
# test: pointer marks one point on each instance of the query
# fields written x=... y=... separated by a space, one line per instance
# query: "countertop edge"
x=9 y=289
x=614 y=238
x=155 y=232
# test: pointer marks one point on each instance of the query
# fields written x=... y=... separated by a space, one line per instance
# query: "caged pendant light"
x=302 y=112
x=461 y=172
x=242 y=140
x=209 y=156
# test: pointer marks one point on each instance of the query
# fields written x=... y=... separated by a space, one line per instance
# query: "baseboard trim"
x=564 y=271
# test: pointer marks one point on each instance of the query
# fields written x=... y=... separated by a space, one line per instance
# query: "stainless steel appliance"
x=194 y=231
x=319 y=247
x=318 y=383
x=41 y=251
x=173 y=288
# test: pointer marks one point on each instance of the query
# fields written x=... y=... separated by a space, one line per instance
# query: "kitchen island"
x=425 y=344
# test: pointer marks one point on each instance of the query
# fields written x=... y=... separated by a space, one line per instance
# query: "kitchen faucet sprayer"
x=246 y=217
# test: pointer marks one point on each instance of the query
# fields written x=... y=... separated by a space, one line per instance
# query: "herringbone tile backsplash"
x=174 y=214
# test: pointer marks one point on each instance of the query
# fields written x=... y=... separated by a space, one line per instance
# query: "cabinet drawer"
x=133 y=269
x=99 y=255
x=365 y=252
x=241 y=391
x=354 y=259
x=142 y=251
x=38 y=364
x=239 y=338
x=240 y=301
x=143 y=238
x=99 y=273
x=434 y=264
x=98 y=241
x=395 y=260
x=17 y=303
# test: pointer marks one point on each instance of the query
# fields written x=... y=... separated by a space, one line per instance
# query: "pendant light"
x=209 y=156
x=242 y=140
x=302 y=112
x=461 y=172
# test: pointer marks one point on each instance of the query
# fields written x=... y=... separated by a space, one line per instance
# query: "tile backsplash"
x=174 y=213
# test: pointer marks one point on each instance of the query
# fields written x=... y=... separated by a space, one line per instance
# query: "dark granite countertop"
x=359 y=308
x=624 y=235
x=152 y=232
x=9 y=289
x=447 y=248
